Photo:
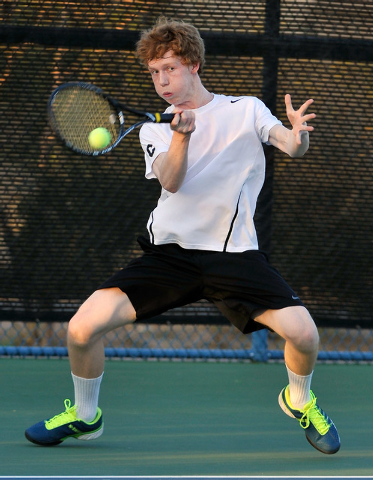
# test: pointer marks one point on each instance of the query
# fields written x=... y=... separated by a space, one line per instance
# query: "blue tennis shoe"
x=319 y=428
x=65 y=425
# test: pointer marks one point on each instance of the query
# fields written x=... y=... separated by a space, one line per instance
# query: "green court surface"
x=186 y=419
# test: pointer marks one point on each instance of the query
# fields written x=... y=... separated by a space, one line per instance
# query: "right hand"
x=183 y=122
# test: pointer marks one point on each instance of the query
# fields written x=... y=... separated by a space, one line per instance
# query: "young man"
x=202 y=241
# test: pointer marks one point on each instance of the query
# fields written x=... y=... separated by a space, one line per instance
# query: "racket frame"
x=118 y=107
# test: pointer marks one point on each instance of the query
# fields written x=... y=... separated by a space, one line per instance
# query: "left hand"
x=298 y=118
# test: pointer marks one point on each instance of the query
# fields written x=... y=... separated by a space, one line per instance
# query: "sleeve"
x=264 y=121
x=153 y=143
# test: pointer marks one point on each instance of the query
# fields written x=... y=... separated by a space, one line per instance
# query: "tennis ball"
x=99 y=138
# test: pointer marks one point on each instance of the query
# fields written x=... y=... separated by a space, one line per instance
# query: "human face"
x=174 y=81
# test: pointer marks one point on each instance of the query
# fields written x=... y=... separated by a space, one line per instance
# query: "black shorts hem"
x=168 y=276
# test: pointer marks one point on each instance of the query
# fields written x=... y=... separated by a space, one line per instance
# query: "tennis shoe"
x=57 y=429
x=319 y=428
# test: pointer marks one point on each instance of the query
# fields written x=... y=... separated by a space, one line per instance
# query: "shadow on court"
x=181 y=418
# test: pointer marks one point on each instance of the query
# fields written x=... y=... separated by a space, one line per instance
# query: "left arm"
x=294 y=142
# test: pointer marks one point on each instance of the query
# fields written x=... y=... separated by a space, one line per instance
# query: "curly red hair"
x=167 y=34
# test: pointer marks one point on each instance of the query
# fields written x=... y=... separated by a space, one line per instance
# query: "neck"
x=205 y=98
x=200 y=97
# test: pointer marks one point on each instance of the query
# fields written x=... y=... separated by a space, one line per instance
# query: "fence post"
x=263 y=216
x=264 y=204
x=259 y=345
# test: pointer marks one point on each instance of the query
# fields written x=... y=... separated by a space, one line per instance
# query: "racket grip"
x=164 y=117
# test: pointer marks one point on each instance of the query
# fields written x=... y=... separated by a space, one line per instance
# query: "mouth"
x=167 y=94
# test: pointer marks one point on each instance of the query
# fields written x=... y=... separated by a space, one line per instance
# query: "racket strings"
x=77 y=111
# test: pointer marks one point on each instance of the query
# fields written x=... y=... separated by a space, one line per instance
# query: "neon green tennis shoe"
x=319 y=428
x=65 y=425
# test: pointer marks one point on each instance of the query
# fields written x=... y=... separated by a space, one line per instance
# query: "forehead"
x=168 y=58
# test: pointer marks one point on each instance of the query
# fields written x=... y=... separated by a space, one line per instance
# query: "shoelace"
x=65 y=417
x=313 y=414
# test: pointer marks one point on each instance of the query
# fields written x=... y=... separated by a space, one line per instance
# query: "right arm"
x=170 y=167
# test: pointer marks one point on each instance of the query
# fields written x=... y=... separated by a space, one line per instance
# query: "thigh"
x=243 y=285
x=291 y=323
x=164 y=277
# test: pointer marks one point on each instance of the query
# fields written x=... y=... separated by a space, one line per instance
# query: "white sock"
x=86 y=397
x=299 y=387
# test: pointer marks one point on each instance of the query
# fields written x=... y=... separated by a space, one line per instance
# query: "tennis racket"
x=76 y=109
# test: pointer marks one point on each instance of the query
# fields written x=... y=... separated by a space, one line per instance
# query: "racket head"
x=77 y=108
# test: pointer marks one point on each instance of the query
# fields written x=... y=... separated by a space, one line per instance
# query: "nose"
x=163 y=78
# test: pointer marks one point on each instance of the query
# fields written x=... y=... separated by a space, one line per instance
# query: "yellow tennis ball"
x=99 y=138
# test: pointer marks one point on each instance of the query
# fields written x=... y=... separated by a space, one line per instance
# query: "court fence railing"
x=191 y=341
x=67 y=223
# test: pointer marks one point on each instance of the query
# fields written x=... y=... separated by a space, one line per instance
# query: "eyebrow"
x=167 y=64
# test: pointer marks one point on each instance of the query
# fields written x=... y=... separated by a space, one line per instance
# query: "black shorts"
x=168 y=276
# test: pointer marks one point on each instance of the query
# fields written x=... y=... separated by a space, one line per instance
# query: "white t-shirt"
x=215 y=205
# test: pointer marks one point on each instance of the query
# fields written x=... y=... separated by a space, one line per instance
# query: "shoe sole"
x=87 y=436
x=32 y=440
x=331 y=452
x=93 y=435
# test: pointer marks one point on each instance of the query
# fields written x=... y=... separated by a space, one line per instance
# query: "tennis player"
x=202 y=242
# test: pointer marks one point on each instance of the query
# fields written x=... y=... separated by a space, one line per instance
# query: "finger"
x=187 y=120
x=187 y=126
x=306 y=128
x=305 y=106
x=176 y=120
x=308 y=117
x=288 y=103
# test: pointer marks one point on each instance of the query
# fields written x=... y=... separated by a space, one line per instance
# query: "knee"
x=304 y=334
x=79 y=333
x=295 y=325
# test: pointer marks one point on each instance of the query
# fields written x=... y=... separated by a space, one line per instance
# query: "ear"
x=194 y=68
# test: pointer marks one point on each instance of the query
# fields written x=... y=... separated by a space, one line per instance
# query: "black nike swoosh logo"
x=234 y=101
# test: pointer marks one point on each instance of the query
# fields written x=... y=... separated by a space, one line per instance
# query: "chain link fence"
x=67 y=223
x=182 y=341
